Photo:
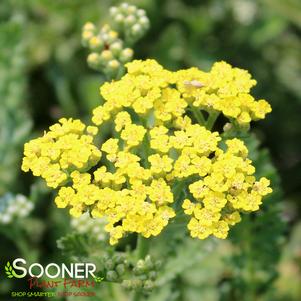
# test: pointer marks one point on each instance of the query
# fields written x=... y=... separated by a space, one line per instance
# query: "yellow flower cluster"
x=156 y=147
x=224 y=89
x=166 y=96
x=68 y=146
x=227 y=187
x=131 y=198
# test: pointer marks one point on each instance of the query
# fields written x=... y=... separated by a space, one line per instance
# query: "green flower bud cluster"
x=115 y=267
x=14 y=206
x=140 y=275
x=108 y=53
x=87 y=225
x=145 y=274
x=130 y=21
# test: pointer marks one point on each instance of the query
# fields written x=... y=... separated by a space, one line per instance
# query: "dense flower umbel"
x=154 y=92
x=157 y=148
x=224 y=89
x=68 y=146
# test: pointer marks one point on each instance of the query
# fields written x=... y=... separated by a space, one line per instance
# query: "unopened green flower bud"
x=88 y=33
x=116 y=48
x=113 y=65
x=137 y=283
x=130 y=20
x=141 y=12
x=120 y=268
x=89 y=27
x=126 y=55
x=127 y=284
x=105 y=37
x=111 y=276
x=105 y=29
x=106 y=56
x=112 y=68
x=86 y=37
x=113 y=11
x=126 y=263
x=136 y=29
x=112 y=36
x=119 y=19
x=140 y=264
x=148 y=285
x=109 y=264
x=144 y=22
x=132 y=9
x=124 y=7
x=95 y=43
x=94 y=60
x=149 y=262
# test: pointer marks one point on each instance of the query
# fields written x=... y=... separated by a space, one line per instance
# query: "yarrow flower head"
x=67 y=147
x=161 y=143
x=224 y=89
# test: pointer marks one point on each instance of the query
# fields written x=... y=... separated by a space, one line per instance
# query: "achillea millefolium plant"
x=162 y=145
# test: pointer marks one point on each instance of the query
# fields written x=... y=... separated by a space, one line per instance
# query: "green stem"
x=137 y=296
x=145 y=151
x=112 y=290
x=211 y=120
x=142 y=246
x=63 y=92
x=177 y=190
x=120 y=73
x=251 y=281
x=197 y=114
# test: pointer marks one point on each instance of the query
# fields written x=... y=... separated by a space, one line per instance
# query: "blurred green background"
x=44 y=76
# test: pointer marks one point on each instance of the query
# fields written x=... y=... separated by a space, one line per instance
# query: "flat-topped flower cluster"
x=161 y=159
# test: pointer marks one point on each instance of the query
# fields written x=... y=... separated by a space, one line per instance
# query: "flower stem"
x=120 y=73
x=142 y=246
x=211 y=120
x=137 y=296
x=197 y=114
